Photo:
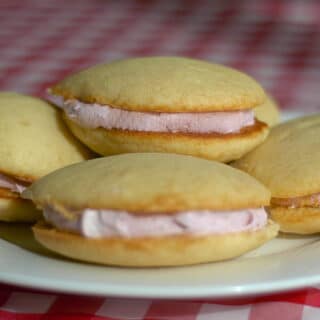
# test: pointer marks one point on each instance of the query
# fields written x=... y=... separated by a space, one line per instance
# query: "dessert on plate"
x=151 y=209
x=34 y=141
x=163 y=104
x=288 y=163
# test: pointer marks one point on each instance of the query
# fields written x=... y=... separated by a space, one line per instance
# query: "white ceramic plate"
x=283 y=264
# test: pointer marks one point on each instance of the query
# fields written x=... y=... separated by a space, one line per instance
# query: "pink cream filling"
x=93 y=223
x=96 y=115
x=12 y=184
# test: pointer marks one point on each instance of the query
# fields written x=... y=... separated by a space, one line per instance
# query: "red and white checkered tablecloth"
x=21 y=304
x=277 y=42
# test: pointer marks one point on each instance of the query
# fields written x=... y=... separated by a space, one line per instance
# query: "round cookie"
x=288 y=163
x=34 y=141
x=153 y=252
x=133 y=210
x=268 y=112
x=13 y=208
x=109 y=106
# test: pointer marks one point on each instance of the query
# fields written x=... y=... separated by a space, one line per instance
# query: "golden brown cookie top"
x=33 y=138
x=149 y=183
x=163 y=84
x=288 y=162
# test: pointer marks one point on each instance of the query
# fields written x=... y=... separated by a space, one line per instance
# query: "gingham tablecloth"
x=17 y=303
x=277 y=42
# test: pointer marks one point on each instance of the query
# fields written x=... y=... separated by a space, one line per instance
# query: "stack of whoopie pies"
x=152 y=200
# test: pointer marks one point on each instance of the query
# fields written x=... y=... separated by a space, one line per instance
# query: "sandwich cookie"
x=268 y=112
x=288 y=163
x=151 y=209
x=163 y=104
x=34 y=141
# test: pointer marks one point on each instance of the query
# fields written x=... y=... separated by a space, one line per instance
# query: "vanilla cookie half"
x=268 y=112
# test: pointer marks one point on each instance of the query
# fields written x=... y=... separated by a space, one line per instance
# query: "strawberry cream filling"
x=94 y=223
x=12 y=184
x=104 y=116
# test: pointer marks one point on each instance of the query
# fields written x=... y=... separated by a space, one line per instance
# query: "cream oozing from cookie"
x=95 y=116
x=93 y=223
x=12 y=184
x=312 y=201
